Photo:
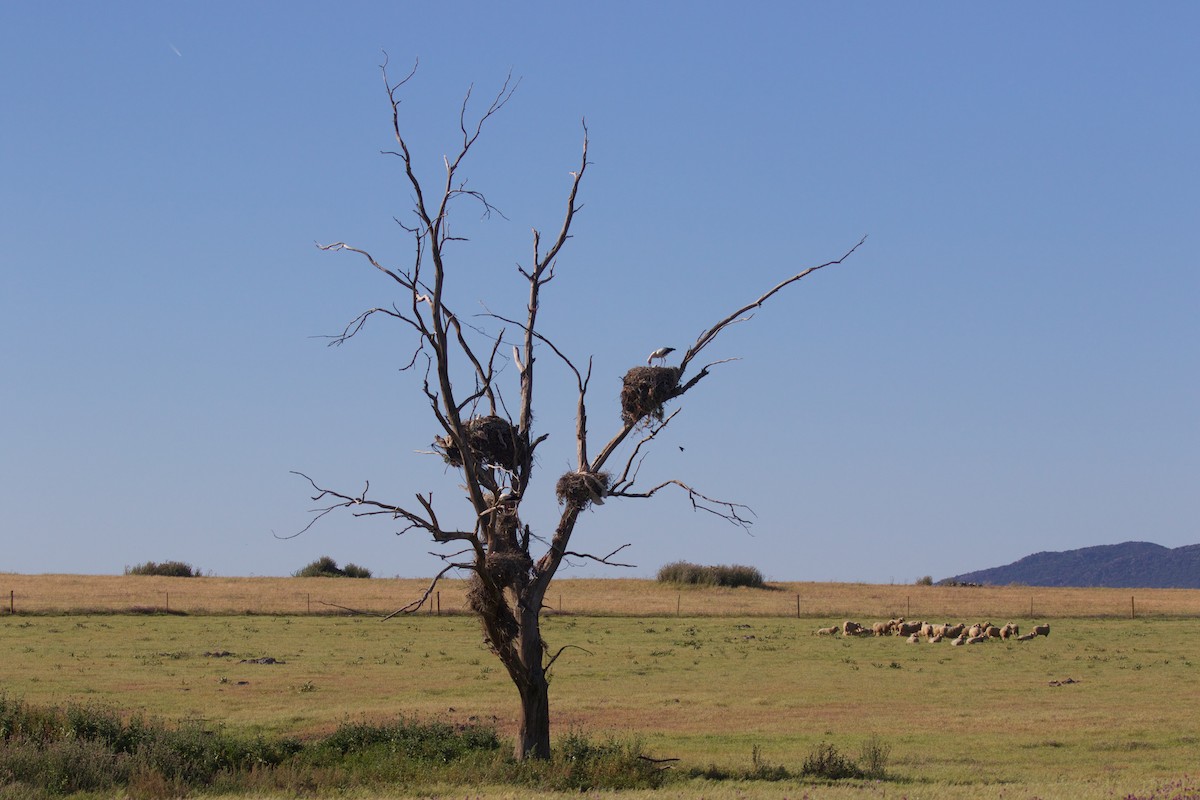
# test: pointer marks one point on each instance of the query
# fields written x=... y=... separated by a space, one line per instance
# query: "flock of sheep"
x=933 y=633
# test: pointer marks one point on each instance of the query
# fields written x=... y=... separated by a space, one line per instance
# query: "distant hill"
x=1126 y=565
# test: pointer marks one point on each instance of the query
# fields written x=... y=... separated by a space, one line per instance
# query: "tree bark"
x=533 y=737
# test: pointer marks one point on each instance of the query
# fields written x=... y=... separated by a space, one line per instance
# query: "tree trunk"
x=533 y=737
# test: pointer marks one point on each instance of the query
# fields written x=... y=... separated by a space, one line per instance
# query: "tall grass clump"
x=86 y=748
x=326 y=567
x=686 y=573
x=578 y=763
x=438 y=742
x=170 y=569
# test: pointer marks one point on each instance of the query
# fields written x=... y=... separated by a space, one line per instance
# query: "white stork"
x=659 y=354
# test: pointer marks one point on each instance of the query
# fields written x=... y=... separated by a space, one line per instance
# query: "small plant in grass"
x=686 y=573
x=826 y=761
x=170 y=569
x=925 y=580
x=873 y=758
x=326 y=567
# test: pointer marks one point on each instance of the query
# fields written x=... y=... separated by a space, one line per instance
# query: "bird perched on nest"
x=660 y=353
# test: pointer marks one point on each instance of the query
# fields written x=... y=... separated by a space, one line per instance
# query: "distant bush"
x=925 y=580
x=326 y=567
x=684 y=572
x=171 y=569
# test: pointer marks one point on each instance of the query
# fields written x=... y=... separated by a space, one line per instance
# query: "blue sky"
x=1010 y=364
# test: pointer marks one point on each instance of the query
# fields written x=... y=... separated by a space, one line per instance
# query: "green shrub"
x=326 y=567
x=84 y=748
x=684 y=572
x=580 y=764
x=826 y=761
x=925 y=580
x=171 y=569
x=428 y=741
x=873 y=758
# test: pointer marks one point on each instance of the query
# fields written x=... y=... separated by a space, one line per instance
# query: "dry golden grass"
x=641 y=598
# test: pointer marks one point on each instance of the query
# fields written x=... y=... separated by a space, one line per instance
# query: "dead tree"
x=494 y=450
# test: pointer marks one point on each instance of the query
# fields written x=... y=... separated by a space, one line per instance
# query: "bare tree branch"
x=626 y=480
x=351 y=610
x=420 y=601
x=550 y=663
x=709 y=335
x=603 y=559
x=732 y=511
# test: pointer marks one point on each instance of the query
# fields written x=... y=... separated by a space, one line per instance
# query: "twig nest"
x=492 y=440
x=581 y=488
x=644 y=391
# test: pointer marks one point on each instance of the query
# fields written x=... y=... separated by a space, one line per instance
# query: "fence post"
x=797 y=606
x=439 y=603
x=678 y=603
x=12 y=608
x=1132 y=613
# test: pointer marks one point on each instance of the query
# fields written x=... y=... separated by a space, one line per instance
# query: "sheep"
x=1009 y=630
x=975 y=630
x=830 y=631
x=851 y=628
x=937 y=637
x=1025 y=637
x=992 y=632
x=1041 y=630
x=954 y=631
x=908 y=628
x=960 y=640
x=977 y=639
x=914 y=639
x=881 y=628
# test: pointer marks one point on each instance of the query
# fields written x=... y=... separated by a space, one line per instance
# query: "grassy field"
x=753 y=686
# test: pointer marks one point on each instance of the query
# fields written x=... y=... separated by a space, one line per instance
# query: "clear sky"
x=1010 y=364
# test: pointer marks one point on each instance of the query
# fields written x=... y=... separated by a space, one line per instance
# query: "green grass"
x=723 y=693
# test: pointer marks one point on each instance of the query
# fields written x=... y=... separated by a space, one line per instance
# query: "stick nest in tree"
x=581 y=488
x=492 y=440
x=645 y=390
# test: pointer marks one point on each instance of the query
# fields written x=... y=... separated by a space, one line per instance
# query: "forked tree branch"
x=732 y=512
x=706 y=338
x=415 y=605
x=603 y=559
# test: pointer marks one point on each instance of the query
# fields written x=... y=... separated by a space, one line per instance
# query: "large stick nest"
x=491 y=439
x=644 y=391
x=581 y=488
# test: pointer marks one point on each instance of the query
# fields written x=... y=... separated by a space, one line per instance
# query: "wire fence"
x=828 y=602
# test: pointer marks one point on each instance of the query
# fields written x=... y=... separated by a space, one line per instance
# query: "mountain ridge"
x=1127 y=565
